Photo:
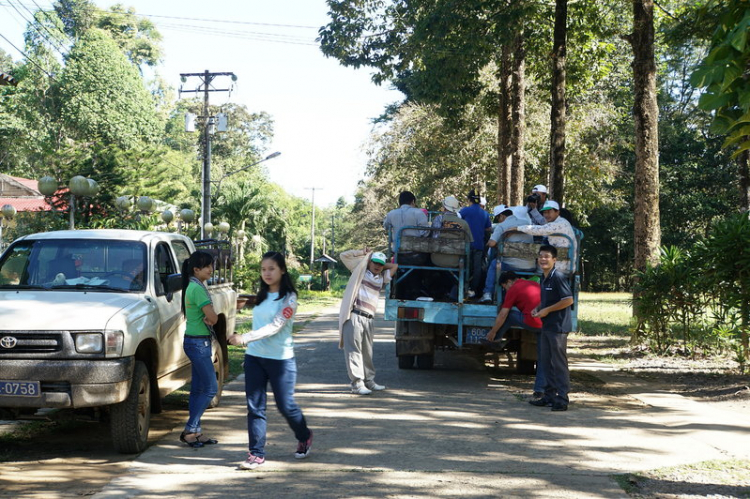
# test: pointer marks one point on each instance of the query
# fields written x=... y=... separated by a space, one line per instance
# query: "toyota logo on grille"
x=8 y=342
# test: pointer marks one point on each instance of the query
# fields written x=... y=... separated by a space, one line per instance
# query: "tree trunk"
x=504 y=128
x=646 y=117
x=743 y=164
x=557 y=115
x=519 y=122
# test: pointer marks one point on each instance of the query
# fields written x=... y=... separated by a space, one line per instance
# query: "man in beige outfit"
x=370 y=273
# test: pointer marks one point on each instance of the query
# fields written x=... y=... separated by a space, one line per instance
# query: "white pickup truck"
x=92 y=319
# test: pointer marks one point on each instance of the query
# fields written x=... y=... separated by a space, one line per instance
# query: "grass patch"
x=604 y=314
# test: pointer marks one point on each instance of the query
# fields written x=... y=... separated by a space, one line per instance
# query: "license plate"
x=475 y=335
x=19 y=389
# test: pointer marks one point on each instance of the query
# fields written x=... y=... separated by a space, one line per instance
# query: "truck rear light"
x=410 y=313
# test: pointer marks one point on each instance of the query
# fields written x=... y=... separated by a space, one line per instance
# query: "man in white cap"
x=507 y=219
x=555 y=225
x=535 y=202
x=449 y=219
x=370 y=273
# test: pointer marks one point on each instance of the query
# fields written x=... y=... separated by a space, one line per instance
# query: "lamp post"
x=80 y=186
x=7 y=213
x=218 y=183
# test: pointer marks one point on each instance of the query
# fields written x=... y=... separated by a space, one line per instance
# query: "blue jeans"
x=554 y=359
x=283 y=375
x=203 y=386
x=489 y=282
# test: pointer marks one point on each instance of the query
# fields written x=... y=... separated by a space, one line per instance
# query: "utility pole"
x=312 y=227
x=206 y=78
x=333 y=235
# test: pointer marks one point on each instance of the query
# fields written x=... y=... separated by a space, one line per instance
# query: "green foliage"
x=723 y=71
x=701 y=297
x=103 y=96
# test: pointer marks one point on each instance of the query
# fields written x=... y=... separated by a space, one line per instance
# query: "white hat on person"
x=550 y=205
x=498 y=209
x=378 y=257
x=451 y=204
x=540 y=188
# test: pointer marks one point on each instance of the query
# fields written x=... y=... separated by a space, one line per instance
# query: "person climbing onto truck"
x=269 y=357
x=200 y=315
x=370 y=273
x=522 y=297
x=554 y=310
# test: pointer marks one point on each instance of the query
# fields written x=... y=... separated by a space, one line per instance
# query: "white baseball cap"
x=540 y=188
x=378 y=257
x=550 y=205
x=498 y=210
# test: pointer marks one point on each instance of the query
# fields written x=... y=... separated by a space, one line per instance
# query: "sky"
x=322 y=111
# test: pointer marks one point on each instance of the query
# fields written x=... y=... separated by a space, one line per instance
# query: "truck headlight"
x=89 y=343
x=108 y=342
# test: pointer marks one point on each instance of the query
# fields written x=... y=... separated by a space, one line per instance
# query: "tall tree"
x=558 y=109
x=647 y=227
x=518 y=118
x=102 y=94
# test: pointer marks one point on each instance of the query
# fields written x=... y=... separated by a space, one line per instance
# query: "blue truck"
x=440 y=316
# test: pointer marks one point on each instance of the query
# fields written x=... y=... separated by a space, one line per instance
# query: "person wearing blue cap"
x=370 y=273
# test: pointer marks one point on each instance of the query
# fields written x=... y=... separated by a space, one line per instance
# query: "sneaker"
x=374 y=387
x=486 y=298
x=537 y=395
x=252 y=462
x=303 y=448
x=542 y=402
x=471 y=294
x=559 y=407
x=361 y=390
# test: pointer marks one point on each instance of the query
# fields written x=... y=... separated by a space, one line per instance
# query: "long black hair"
x=286 y=285
x=197 y=260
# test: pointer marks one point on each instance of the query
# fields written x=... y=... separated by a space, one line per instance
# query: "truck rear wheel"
x=131 y=418
x=426 y=360
x=219 y=372
x=405 y=361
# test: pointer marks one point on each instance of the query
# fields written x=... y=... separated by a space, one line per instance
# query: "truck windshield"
x=109 y=265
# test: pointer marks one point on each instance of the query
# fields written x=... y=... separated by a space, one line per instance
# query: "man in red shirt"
x=521 y=298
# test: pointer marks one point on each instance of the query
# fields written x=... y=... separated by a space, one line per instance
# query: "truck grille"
x=12 y=342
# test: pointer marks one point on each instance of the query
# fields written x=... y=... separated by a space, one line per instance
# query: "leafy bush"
x=699 y=298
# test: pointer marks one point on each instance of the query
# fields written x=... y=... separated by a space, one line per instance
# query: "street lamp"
x=218 y=183
x=7 y=213
x=80 y=186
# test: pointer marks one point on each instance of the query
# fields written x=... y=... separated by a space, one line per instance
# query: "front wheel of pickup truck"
x=131 y=418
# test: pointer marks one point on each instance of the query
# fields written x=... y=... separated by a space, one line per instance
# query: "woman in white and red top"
x=370 y=273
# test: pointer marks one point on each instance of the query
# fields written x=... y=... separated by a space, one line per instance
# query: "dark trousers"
x=477 y=271
x=554 y=362
x=411 y=286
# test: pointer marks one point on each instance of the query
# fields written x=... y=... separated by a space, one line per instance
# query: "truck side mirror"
x=174 y=283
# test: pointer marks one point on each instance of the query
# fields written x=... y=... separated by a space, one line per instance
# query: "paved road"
x=448 y=432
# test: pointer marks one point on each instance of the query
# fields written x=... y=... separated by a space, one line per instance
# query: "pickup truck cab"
x=92 y=319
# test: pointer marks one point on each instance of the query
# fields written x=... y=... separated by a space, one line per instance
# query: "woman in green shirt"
x=200 y=315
